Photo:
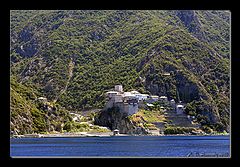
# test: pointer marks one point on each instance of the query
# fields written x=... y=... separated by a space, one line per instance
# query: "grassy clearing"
x=151 y=116
x=146 y=118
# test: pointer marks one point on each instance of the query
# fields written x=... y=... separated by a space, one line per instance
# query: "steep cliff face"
x=114 y=119
x=192 y=23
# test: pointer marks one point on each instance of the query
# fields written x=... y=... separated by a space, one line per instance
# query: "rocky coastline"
x=104 y=134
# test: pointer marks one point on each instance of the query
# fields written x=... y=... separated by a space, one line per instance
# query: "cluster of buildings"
x=129 y=102
x=126 y=101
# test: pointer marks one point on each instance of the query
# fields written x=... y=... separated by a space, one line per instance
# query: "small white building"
x=42 y=99
x=139 y=95
x=162 y=108
x=144 y=96
x=163 y=99
x=166 y=74
x=154 y=97
x=119 y=88
x=179 y=109
x=150 y=105
x=115 y=132
x=173 y=103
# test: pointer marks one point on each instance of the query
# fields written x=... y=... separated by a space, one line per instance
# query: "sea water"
x=122 y=146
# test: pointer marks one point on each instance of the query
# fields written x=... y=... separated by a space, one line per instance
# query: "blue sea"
x=122 y=146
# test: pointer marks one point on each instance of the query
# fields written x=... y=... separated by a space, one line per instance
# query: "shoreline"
x=106 y=134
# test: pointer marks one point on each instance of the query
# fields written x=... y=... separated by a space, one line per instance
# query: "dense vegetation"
x=29 y=115
x=178 y=130
x=73 y=57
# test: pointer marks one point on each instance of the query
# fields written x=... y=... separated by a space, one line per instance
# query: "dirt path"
x=70 y=74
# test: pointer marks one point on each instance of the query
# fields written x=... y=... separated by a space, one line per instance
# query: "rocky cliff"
x=114 y=119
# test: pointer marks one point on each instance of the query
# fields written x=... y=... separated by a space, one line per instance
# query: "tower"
x=118 y=88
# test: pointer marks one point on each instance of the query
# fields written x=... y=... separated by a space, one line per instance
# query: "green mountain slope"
x=74 y=57
x=29 y=114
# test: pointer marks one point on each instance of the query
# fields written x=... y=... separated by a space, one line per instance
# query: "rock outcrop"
x=192 y=23
x=114 y=119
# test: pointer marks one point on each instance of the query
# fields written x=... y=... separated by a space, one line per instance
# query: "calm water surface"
x=122 y=146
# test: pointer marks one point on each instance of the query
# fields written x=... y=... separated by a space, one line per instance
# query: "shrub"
x=219 y=127
x=150 y=126
x=177 y=130
x=207 y=129
x=190 y=109
x=68 y=126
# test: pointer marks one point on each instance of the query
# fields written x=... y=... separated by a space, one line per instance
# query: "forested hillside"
x=73 y=57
